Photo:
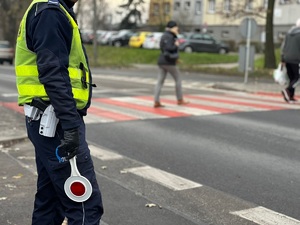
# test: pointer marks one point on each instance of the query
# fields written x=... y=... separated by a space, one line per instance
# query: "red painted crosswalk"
x=116 y=109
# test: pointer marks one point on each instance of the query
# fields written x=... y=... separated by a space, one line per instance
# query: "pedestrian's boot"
x=286 y=95
x=182 y=102
x=158 y=105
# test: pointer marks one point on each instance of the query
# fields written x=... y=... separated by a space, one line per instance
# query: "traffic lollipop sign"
x=77 y=187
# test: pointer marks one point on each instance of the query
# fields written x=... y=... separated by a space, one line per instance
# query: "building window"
x=155 y=9
x=187 y=5
x=198 y=8
x=227 y=5
x=225 y=34
x=177 y=6
x=211 y=6
x=249 y=5
x=166 y=8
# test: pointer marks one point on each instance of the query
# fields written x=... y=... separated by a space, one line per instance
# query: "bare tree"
x=11 y=15
x=133 y=9
x=86 y=14
x=78 y=8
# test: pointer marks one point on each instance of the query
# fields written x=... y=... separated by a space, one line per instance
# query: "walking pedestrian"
x=52 y=69
x=290 y=57
x=167 y=64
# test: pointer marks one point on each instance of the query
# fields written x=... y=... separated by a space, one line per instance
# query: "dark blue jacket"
x=49 y=35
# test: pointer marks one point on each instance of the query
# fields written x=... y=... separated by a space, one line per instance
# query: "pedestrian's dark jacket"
x=167 y=45
x=290 y=52
x=49 y=35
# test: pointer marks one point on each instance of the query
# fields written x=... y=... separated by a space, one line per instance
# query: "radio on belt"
x=48 y=121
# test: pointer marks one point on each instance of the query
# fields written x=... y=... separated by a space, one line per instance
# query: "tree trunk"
x=270 y=60
x=11 y=15
x=95 y=24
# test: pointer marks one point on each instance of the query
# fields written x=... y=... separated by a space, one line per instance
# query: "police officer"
x=51 y=65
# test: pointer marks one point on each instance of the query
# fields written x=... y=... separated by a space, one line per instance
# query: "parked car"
x=121 y=38
x=6 y=52
x=106 y=37
x=152 y=40
x=87 y=36
x=137 y=39
x=100 y=34
x=199 y=42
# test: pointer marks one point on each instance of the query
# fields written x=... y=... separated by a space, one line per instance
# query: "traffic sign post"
x=248 y=28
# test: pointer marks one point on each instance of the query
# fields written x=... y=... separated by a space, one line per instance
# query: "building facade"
x=160 y=12
x=188 y=13
x=222 y=18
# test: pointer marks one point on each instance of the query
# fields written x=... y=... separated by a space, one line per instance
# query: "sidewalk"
x=12 y=126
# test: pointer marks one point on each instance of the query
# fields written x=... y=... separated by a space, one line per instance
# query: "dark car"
x=199 y=42
x=6 y=52
x=121 y=38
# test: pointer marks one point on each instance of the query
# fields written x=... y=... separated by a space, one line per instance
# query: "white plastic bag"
x=280 y=75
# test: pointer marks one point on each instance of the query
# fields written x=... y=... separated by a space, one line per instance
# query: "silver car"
x=152 y=40
x=6 y=52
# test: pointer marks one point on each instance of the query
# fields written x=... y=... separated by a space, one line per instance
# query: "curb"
x=225 y=87
x=9 y=142
x=247 y=89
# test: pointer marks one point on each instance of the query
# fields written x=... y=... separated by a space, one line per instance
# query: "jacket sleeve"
x=51 y=35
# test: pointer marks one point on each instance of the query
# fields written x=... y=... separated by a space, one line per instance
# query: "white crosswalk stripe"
x=264 y=216
x=106 y=110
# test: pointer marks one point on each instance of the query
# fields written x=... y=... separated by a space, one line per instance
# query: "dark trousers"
x=51 y=204
x=293 y=71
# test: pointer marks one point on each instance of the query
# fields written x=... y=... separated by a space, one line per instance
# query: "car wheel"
x=188 y=49
x=118 y=44
x=11 y=62
x=222 y=51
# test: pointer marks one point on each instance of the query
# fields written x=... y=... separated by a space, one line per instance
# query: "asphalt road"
x=198 y=168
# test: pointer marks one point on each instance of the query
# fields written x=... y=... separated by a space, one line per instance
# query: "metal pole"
x=247 y=50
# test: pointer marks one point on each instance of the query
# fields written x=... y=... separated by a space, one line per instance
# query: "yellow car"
x=137 y=40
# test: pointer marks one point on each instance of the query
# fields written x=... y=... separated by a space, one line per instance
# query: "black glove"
x=70 y=144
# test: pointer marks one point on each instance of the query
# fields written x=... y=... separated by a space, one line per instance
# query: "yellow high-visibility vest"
x=27 y=80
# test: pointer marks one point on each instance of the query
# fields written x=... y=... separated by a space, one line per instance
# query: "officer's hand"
x=70 y=144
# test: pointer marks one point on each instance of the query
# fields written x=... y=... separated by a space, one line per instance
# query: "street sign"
x=244 y=27
x=248 y=29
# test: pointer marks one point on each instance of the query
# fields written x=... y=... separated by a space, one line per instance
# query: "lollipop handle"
x=74 y=169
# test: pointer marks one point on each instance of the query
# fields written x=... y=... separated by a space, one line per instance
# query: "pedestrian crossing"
x=118 y=109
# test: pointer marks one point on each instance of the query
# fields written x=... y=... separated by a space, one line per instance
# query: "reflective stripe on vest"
x=27 y=80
